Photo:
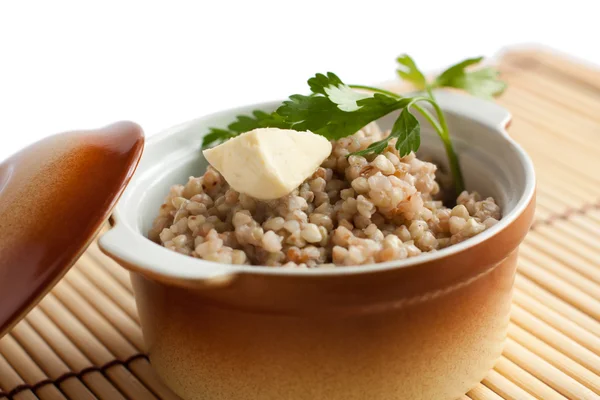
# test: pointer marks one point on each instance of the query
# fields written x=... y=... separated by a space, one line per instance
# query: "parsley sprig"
x=244 y=123
x=336 y=110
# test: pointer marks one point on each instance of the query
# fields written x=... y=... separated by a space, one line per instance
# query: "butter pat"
x=269 y=163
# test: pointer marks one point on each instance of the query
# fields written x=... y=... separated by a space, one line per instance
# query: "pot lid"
x=55 y=195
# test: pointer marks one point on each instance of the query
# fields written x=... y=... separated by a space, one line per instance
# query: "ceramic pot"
x=428 y=327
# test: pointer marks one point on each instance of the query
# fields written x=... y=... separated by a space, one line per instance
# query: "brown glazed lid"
x=55 y=196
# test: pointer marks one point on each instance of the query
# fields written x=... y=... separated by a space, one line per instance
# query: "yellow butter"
x=268 y=163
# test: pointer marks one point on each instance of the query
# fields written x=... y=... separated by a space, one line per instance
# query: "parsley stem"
x=444 y=133
x=376 y=90
x=427 y=115
x=429 y=91
x=440 y=127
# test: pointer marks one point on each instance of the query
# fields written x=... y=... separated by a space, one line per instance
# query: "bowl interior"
x=491 y=162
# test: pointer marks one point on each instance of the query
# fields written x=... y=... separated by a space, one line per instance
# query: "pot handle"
x=161 y=264
x=484 y=111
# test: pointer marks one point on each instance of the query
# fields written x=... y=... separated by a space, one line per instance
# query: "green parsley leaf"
x=259 y=119
x=345 y=97
x=307 y=112
x=335 y=110
x=319 y=114
x=215 y=136
x=244 y=123
x=408 y=131
x=319 y=82
x=407 y=70
x=482 y=83
x=375 y=147
x=332 y=87
x=455 y=70
x=371 y=109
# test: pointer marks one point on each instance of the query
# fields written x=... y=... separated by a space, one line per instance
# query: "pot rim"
x=136 y=252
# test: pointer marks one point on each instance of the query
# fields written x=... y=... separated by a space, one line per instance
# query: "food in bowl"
x=266 y=201
x=351 y=210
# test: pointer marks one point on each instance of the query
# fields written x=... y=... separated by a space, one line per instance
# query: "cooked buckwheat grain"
x=351 y=211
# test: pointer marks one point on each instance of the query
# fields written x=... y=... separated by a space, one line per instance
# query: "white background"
x=80 y=64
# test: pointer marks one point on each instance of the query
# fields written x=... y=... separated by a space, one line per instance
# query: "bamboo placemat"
x=83 y=341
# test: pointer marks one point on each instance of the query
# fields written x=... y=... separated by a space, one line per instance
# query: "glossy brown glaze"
x=428 y=331
x=438 y=348
x=54 y=197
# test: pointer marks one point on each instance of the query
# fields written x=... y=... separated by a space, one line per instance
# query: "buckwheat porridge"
x=350 y=211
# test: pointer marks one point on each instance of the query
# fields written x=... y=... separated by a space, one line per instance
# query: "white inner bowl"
x=491 y=162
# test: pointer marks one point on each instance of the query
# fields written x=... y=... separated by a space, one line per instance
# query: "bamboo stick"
x=572 y=162
x=28 y=369
x=557 y=138
x=9 y=379
x=557 y=304
x=525 y=103
x=586 y=224
x=105 y=332
x=566 y=360
x=560 y=63
x=572 y=159
x=547 y=373
x=115 y=315
x=556 y=191
x=568 y=96
x=557 y=321
x=566 y=274
x=70 y=354
x=97 y=274
x=525 y=380
x=544 y=87
x=562 y=200
x=557 y=258
x=481 y=392
x=594 y=216
x=569 y=240
x=564 y=182
x=114 y=269
x=107 y=335
x=560 y=288
x=543 y=109
x=505 y=388
x=49 y=362
x=545 y=215
x=553 y=208
x=542 y=214
x=574 y=137
x=146 y=374
x=569 y=66
x=552 y=179
x=92 y=347
x=572 y=177
x=555 y=198
x=547 y=193
x=553 y=195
